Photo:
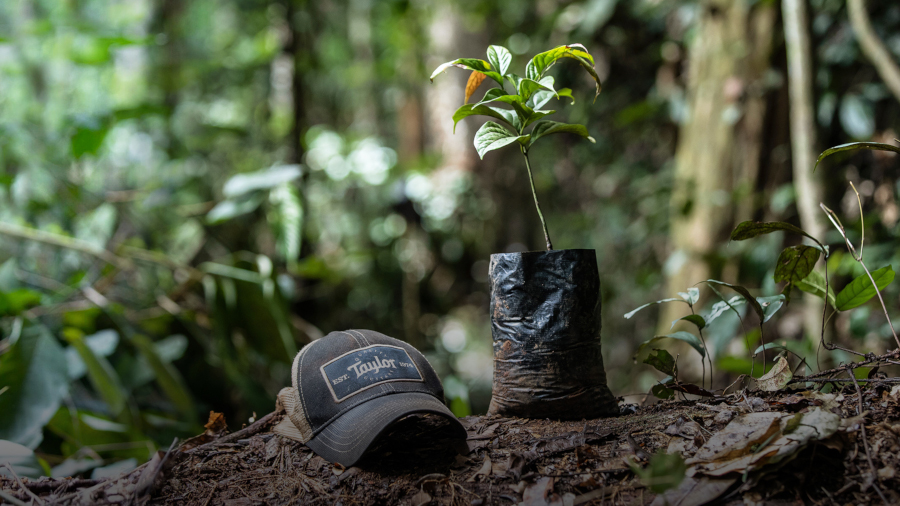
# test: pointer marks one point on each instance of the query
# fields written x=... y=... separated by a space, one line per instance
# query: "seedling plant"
x=528 y=96
x=794 y=268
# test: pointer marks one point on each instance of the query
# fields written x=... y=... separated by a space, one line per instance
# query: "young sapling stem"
x=536 y=203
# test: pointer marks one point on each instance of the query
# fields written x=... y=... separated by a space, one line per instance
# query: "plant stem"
x=536 y=203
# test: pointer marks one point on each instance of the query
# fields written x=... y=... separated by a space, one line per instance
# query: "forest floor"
x=789 y=447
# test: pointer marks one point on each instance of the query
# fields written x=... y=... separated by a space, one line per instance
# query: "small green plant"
x=529 y=95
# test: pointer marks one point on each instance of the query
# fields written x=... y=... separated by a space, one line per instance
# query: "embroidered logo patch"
x=365 y=368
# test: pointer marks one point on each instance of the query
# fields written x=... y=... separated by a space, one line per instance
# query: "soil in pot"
x=545 y=323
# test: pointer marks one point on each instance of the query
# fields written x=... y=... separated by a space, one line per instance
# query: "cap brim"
x=346 y=439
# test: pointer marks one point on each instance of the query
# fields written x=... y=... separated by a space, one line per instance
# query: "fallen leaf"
x=694 y=491
x=537 y=493
x=738 y=436
x=484 y=471
x=216 y=423
x=420 y=499
x=777 y=378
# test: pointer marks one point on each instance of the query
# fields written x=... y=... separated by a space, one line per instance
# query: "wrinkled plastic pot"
x=545 y=323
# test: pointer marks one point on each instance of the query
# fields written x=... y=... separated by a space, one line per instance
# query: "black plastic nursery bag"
x=545 y=322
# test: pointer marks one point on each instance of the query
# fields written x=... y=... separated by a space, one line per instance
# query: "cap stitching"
x=328 y=422
x=364 y=338
x=381 y=414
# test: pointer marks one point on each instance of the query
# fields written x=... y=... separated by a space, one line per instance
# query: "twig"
x=890 y=381
x=241 y=434
x=865 y=438
x=853 y=365
x=10 y=499
x=35 y=498
x=211 y=492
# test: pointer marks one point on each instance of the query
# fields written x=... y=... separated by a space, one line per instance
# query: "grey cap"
x=349 y=386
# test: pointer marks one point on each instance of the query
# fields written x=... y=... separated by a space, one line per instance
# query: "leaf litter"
x=794 y=447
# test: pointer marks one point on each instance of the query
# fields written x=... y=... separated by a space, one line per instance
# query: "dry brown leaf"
x=777 y=378
x=475 y=80
x=484 y=471
x=216 y=423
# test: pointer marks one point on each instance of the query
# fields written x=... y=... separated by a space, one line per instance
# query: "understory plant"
x=795 y=268
x=526 y=99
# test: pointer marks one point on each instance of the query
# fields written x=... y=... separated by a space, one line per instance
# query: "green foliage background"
x=191 y=191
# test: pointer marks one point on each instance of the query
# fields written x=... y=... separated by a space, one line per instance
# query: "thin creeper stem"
x=536 y=203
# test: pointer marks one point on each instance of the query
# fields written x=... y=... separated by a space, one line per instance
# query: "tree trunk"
x=873 y=47
x=719 y=147
x=803 y=139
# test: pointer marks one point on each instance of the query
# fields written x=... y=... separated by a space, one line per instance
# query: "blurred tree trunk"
x=719 y=145
x=803 y=139
x=873 y=47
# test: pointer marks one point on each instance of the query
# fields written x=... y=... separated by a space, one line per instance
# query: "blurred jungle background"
x=191 y=191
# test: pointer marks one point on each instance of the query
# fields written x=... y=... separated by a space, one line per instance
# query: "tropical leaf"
x=475 y=80
x=528 y=87
x=469 y=64
x=860 y=290
x=167 y=377
x=492 y=136
x=687 y=337
x=267 y=179
x=286 y=216
x=505 y=115
x=662 y=361
x=852 y=146
x=795 y=263
x=750 y=229
x=34 y=369
x=101 y=374
x=691 y=296
x=814 y=283
x=543 y=128
x=543 y=61
x=633 y=311
x=770 y=305
x=720 y=307
x=746 y=294
x=500 y=58
x=696 y=319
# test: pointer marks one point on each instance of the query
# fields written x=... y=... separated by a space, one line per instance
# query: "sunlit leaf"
x=543 y=128
x=691 y=296
x=543 y=61
x=860 y=290
x=528 y=87
x=469 y=64
x=475 y=80
x=286 y=217
x=852 y=146
x=720 y=307
x=795 y=263
x=500 y=58
x=242 y=184
x=232 y=208
x=492 y=136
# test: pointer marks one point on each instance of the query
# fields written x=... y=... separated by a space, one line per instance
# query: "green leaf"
x=750 y=229
x=535 y=115
x=854 y=146
x=528 y=87
x=860 y=290
x=34 y=369
x=543 y=61
x=660 y=391
x=696 y=319
x=22 y=459
x=687 y=337
x=500 y=95
x=469 y=64
x=492 y=136
x=633 y=311
x=505 y=115
x=691 y=296
x=101 y=374
x=286 y=217
x=662 y=361
x=14 y=302
x=746 y=294
x=167 y=377
x=232 y=208
x=88 y=137
x=268 y=179
x=664 y=471
x=814 y=283
x=720 y=307
x=770 y=305
x=500 y=58
x=543 y=128
x=795 y=263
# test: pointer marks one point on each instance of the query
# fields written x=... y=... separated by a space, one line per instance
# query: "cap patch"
x=365 y=368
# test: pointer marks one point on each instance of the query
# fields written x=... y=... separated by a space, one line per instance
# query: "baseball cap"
x=350 y=386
